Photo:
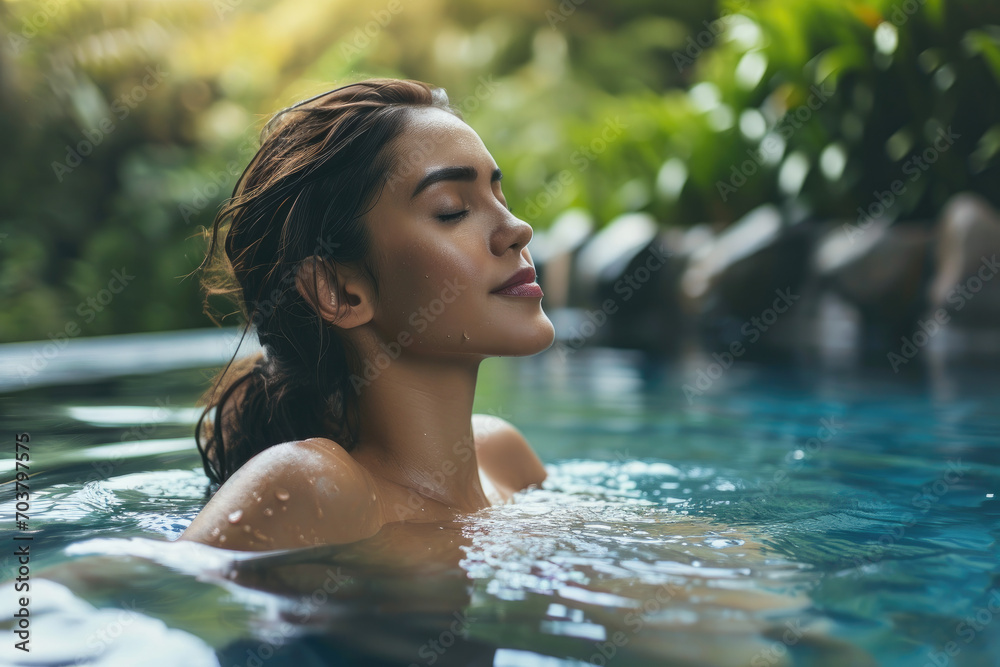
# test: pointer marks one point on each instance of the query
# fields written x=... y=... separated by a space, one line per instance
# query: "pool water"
x=779 y=516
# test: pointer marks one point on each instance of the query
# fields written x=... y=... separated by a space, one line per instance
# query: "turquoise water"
x=781 y=517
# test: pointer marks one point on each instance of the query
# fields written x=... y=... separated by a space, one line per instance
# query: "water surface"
x=781 y=517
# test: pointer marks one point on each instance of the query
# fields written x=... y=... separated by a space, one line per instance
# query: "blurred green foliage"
x=126 y=122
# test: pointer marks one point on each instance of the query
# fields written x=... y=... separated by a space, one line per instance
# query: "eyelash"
x=447 y=217
x=452 y=216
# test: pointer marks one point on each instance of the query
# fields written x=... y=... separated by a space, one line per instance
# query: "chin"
x=533 y=339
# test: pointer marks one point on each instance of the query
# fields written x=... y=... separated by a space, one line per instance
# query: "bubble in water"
x=281 y=494
x=234 y=517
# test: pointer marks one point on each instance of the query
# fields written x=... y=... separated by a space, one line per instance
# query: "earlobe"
x=340 y=295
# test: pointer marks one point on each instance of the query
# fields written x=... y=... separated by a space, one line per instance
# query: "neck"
x=416 y=430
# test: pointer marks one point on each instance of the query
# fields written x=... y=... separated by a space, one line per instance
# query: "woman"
x=374 y=253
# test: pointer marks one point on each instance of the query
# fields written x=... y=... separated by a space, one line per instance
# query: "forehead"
x=435 y=138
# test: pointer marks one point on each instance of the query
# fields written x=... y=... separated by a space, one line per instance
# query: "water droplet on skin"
x=222 y=538
x=281 y=494
x=268 y=511
x=261 y=536
x=284 y=508
x=234 y=517
x=216 y=531
x=246 y=528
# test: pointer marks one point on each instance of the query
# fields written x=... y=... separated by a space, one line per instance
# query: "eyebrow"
x=453 y=174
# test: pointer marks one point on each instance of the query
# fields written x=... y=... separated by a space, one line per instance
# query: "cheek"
x=433 y=277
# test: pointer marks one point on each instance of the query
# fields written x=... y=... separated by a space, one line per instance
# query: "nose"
x=511 y=233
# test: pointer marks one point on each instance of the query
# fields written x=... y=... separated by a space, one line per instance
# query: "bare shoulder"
x=290 y=495
x=504 y=453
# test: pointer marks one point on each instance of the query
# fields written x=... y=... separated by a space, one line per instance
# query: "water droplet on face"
x=222 y=538
x=234 y=517
x=216 y=531
x=281 y=494
x=268 y=511
x=246 y=528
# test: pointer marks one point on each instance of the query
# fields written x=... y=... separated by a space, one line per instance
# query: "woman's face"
x=443 y=245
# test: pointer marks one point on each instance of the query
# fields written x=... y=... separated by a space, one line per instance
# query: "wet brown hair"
x=321 y=166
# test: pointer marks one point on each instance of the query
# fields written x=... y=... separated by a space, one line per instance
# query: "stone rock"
x=607 y=252
x=641 y=296
x=737 y=275
x=882 y=270
x=966 y=281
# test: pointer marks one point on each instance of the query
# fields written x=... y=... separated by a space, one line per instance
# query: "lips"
x=525 y=275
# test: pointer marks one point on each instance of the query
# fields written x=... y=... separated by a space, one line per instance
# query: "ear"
x=339 y=293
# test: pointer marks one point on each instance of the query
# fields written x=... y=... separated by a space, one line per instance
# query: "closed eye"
x=445 y=217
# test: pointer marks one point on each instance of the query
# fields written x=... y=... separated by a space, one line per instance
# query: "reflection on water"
x=779 y=519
